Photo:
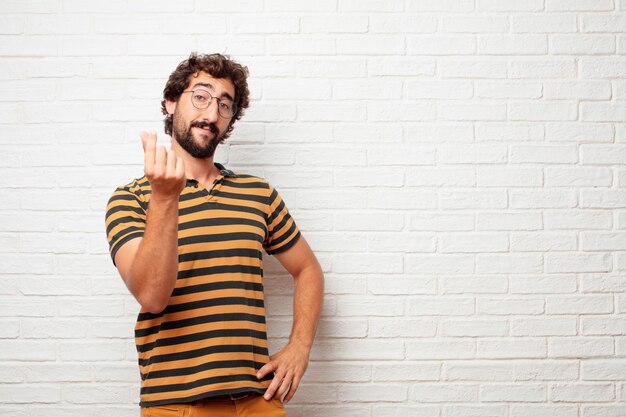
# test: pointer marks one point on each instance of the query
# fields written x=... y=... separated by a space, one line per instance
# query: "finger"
x=170 y=169
x=149 y=155
x=269 y=393
x=144 y=138
x=292 y=389
x=266 y=369
x=283 y=387
x=160 y=160
x=180 y=168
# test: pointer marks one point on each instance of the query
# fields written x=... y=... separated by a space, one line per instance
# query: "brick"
x=542 y=327
x=449 y=348
x=400 y=285
x=472 y=242
x=457 y=6
x=96 y=394
x=400 y=66
x=543 y=285
x=579 y=5
x=487 y=284
x=544 y=23
x=577 y=392
x=580 y=347
x=438 y=177
x=367 y=263
x=367 y=44
x=513 y=90
x=581 y=220
x=498 y=306
x=509 y=177
x=602 y=22
x=509 y=131
x=439 y=264
x=356 y=349
x=582 y=45
x=598 y=67
x=395 y=328
x=508 y=348
x=476 y=200
x=444 y=393
x=441 y=45
x=518 y=392
x=406 y=371
x=451 y=306
x=487 y=263
x=543 y=68
x=475 y=24
x=264 y=24
x=29 y=46
x=532 y=242
x=403 y=23
x=332 y=67
x=297 y=45
x=373 y=393
x=476 y=111
x=332 y=23
x=400 y=242
x=474 y=328
x=25 y=394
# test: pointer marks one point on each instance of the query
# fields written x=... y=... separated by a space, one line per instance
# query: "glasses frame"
x=210 y=101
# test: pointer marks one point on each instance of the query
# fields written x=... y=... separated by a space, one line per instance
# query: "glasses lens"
x=226 y=108
x=202 y=99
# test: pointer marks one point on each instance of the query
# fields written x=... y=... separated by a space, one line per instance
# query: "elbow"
x=152 y=304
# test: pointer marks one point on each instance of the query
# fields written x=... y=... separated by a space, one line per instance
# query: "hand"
x=288 y=365
x=165 y=171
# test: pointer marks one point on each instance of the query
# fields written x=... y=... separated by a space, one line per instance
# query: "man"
x=187 y=239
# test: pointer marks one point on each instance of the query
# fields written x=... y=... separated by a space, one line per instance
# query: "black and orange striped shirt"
x=211 y=338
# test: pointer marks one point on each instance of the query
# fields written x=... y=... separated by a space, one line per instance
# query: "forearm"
x=155 y=267
x=307 y=306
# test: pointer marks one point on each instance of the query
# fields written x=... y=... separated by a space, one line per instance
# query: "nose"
x=210 y=114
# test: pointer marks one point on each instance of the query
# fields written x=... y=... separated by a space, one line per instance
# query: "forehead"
x=217 y=85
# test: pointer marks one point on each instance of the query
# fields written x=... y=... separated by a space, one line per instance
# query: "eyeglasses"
x=201 y=99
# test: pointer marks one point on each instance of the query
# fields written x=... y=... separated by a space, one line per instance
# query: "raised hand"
x=165 y=171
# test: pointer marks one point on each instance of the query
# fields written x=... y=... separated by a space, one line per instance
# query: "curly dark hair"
x=216 y=65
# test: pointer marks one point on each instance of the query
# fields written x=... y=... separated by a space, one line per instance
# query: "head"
x=224 y=79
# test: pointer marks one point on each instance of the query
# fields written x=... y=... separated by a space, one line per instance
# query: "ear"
x=170 y=106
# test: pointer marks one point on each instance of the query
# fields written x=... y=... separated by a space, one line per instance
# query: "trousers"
x=250 y=406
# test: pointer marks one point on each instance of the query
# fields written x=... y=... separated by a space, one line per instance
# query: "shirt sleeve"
x=282 y=231
x=125 y=219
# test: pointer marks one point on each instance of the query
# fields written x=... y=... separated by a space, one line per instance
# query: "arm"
x=149 y=265
x=291 y=362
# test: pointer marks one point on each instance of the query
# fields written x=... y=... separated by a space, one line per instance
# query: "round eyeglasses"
x=201 y=99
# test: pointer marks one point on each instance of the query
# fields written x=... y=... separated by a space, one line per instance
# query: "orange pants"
x=252 y=406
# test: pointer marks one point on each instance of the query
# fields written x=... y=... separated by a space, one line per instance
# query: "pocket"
x=165 y=411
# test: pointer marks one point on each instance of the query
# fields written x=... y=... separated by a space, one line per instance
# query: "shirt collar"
x=225 y=172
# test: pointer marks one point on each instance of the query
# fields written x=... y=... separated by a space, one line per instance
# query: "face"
x=199 y=131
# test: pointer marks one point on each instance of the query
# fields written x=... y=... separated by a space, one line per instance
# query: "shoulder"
x=138 y=189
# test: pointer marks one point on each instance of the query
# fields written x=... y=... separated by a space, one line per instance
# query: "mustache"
x=205 y=125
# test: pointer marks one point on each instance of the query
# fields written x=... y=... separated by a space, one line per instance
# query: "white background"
x=457 y=165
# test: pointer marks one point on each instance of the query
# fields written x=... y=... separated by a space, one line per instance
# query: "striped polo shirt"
x=211 y=338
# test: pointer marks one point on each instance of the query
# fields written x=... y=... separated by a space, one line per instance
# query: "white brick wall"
x=457 y=165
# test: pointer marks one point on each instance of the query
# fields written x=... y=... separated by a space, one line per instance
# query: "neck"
x=202 y=170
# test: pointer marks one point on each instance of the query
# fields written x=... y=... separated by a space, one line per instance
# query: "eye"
x=200 y=97
x=226 y=105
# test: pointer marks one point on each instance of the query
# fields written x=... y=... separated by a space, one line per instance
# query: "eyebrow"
x=210 y=87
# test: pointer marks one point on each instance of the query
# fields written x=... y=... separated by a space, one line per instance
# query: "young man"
x=187 y=239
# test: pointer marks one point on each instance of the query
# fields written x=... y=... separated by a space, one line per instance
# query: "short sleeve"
x=282 y=231
x=125 y=219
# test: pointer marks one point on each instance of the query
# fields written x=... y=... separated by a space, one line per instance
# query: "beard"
x=184 y=136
